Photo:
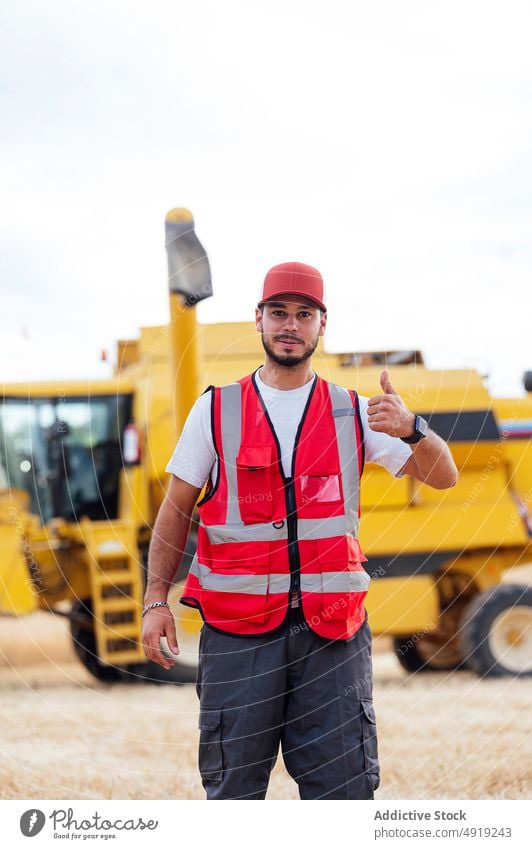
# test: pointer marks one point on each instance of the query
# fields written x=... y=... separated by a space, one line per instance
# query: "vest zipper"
x=289 y=491
x=293 y=548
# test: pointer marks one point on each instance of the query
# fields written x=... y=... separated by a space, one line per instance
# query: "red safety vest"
x=263 y=536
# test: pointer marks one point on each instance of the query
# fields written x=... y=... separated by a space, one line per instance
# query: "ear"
x=258 y=319
x=323 y=323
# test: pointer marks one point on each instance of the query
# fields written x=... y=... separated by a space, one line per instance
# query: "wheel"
x=496 y=632
x=408 y=655
x=184 y=671
x=83 y=639
x=439 y=650
x=420 y=653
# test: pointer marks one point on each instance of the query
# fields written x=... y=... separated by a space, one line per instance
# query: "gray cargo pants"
x=311 y=695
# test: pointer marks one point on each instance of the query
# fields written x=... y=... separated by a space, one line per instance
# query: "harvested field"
x=67 y=736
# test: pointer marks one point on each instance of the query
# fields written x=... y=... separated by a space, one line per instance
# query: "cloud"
x=387 y=144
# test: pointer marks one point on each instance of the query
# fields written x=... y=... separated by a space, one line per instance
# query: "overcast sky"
x=387 y=143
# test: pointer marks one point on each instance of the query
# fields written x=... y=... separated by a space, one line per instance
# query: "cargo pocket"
x=369 y=737
x=253 y=471
x=210 y=745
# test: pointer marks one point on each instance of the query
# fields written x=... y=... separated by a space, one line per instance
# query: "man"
x=285 y=648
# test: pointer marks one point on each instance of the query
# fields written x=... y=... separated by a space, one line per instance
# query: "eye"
x=304 y=314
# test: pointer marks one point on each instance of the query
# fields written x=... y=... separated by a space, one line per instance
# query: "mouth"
x=290 y=343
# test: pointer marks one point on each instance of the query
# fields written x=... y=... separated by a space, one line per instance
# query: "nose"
x=291 y=322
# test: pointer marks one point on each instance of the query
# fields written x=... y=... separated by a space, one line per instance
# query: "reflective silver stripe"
x=347 y=450
x=278 y=583
x=344 y=411
x=268 y=532
x=198 y=569
x=275 y=582
x=219 y=534
x=249 y=584
x=334 y=526
x=335 y=582
x=231 y=415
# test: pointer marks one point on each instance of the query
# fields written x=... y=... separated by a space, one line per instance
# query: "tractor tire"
x=152 y=673
x=496 y=631
x=408 y=656
x=418 y=655
x=84 y=641
x=439 y=649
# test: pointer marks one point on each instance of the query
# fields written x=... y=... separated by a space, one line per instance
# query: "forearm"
x=166 y=550
x=434 y=462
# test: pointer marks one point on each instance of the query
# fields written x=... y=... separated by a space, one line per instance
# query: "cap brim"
x=279 y=296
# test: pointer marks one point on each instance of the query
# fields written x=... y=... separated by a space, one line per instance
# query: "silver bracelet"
x=154 y=604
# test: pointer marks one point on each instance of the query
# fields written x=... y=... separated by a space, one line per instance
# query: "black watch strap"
x=420 y=431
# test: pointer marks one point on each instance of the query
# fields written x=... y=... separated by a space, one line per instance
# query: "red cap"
x=294 y=278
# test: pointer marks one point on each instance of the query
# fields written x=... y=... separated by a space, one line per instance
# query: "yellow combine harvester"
x=82 y=477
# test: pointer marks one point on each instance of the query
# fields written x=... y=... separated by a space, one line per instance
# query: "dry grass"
x=67 y=736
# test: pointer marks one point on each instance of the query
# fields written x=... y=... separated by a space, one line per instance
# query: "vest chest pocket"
x=320 y=489
x=254 y=482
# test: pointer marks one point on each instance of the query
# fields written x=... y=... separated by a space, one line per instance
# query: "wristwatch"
x=420 y=431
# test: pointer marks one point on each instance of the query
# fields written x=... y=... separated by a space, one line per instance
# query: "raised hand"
x=387 y=413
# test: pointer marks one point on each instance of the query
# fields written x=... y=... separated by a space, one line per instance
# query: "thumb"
x=386 y=386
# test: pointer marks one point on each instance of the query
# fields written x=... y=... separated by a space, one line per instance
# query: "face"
x=290 y=329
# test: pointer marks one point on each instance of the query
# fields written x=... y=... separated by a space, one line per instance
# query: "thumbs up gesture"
x=387 y=413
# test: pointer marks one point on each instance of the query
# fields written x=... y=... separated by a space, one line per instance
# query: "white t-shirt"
x=194 y=457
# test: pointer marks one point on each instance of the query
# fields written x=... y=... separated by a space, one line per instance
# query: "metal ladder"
x=117 y=590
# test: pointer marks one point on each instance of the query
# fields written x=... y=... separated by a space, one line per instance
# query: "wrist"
x=410 y=427
x=154 y=605
x=419 y=431
x=155 y=593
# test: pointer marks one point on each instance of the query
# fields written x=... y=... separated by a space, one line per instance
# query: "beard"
x=290 y=360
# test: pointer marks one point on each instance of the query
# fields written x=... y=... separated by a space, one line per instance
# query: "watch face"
x=421 y=426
